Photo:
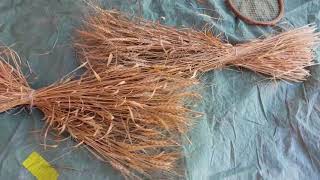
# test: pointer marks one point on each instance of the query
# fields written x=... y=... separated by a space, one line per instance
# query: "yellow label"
x=39 y=167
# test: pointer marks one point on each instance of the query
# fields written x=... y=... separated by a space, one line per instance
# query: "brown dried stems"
x=130 y=110
x=131 y=118
x=109 y=38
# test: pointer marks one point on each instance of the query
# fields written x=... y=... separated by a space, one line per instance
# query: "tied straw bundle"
x=131 y=118
x=128 y=108
x=110 y=38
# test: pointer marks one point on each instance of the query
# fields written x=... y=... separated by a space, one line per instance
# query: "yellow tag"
x=39 y=167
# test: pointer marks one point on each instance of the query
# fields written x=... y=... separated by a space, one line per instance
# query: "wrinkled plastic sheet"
x=252 y=128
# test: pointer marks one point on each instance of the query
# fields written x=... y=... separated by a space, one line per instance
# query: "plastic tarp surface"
x=253 y=128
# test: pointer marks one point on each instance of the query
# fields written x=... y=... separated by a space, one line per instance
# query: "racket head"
x=258 y=12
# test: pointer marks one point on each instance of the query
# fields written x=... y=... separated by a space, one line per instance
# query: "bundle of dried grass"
x=109 y=38
x=128 y=108
x=131 y=118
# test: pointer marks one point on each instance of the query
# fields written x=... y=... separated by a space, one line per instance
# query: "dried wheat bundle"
x=110 y=38
x=132 y=118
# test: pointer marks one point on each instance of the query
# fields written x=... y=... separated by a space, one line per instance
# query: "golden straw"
x=132 y=118
x=109 y=38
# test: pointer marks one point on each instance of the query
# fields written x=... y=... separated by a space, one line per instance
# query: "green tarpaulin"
x=253 y=128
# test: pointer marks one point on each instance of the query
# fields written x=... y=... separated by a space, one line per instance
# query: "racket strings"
x=267 y=12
